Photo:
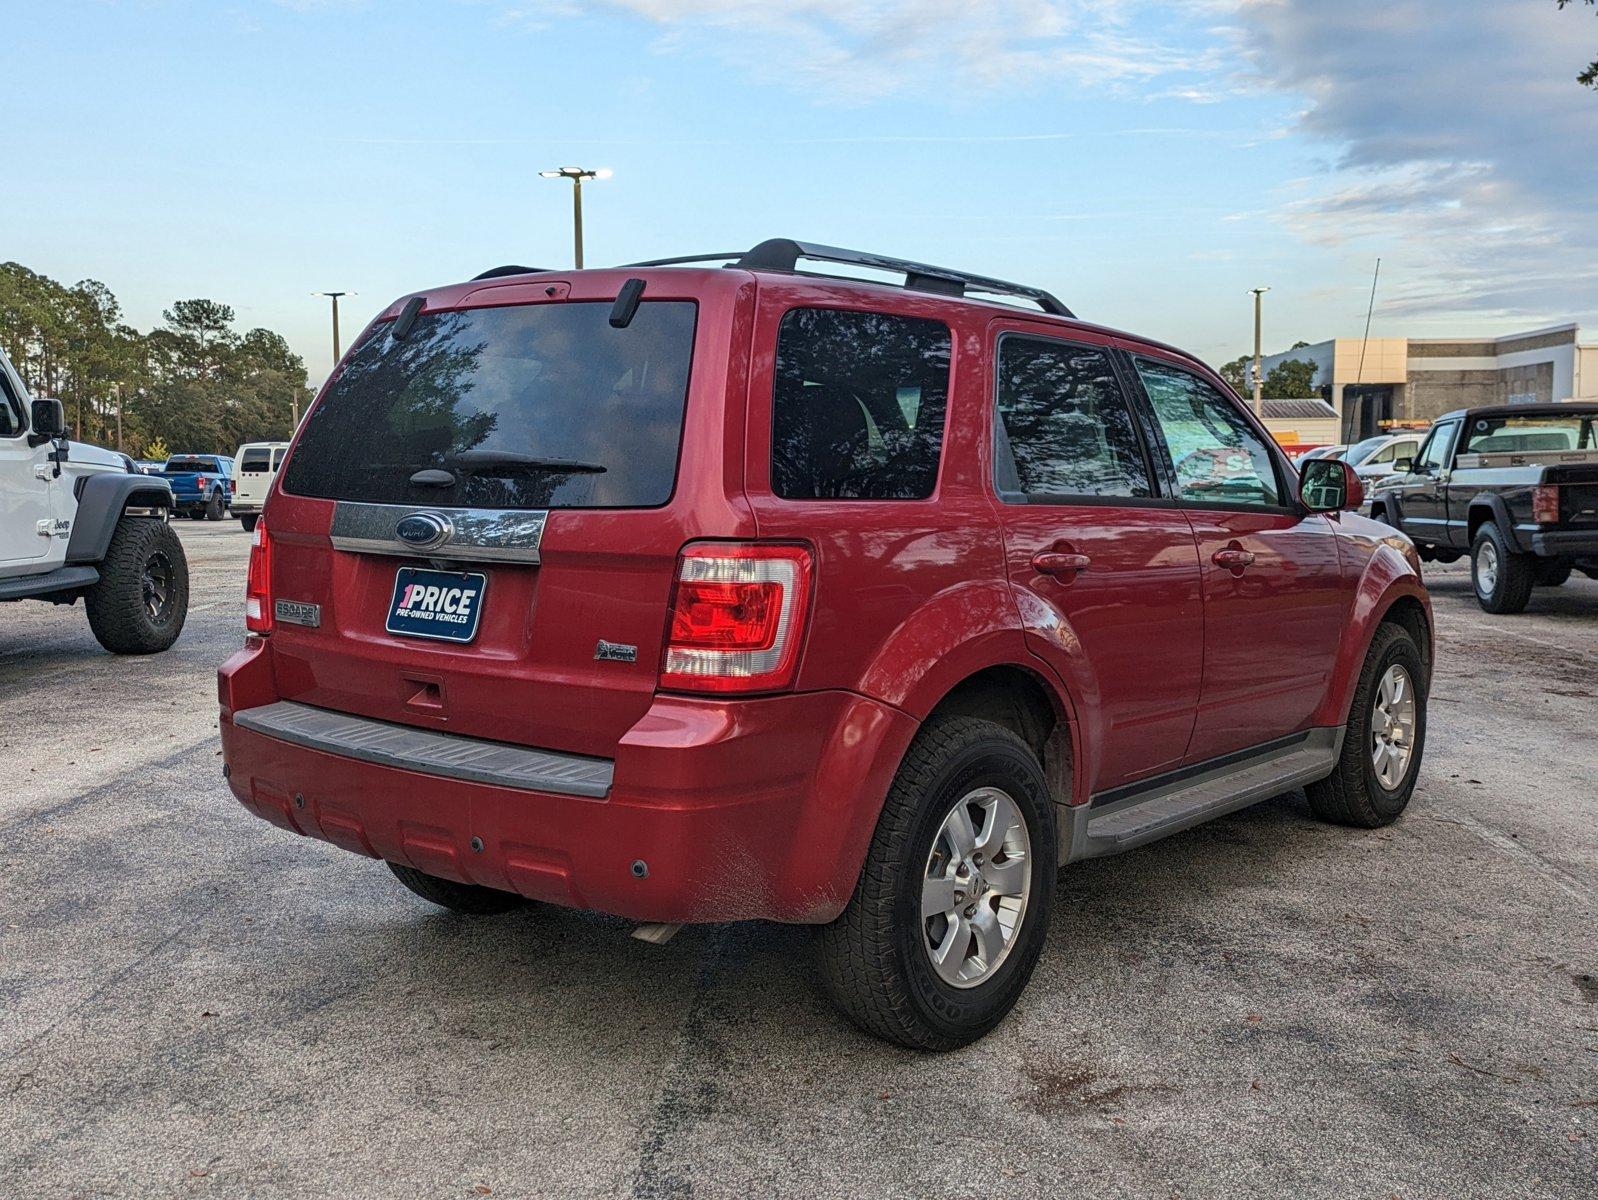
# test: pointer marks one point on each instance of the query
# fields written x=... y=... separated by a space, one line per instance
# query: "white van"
x=255 y=466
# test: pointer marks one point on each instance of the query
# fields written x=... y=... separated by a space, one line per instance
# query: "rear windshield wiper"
x=475 y=460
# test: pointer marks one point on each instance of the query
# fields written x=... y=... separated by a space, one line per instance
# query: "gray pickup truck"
x=1514 y=486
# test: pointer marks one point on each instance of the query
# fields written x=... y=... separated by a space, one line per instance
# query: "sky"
x=1147 y=162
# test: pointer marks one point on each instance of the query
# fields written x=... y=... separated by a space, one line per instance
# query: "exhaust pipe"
x=656 y=935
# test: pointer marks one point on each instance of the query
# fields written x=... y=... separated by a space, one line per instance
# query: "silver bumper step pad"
x=430 y=752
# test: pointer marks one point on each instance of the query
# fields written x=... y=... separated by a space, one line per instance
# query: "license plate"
x=442 y=605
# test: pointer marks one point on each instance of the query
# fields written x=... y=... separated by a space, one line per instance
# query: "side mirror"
x=1329 y=485
x=49 y=422
x=1403 y=466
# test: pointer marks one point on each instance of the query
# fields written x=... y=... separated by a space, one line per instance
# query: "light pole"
x=333 y=296
x=1259 y=382
x=577 y=175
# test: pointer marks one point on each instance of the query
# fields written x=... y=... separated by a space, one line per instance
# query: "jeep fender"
x=101 y=501
x=1388 y=580
x=1498 y=513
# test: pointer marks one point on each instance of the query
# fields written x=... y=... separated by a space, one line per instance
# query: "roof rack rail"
x=784 y=254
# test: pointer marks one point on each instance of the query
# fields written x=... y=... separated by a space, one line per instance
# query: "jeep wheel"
x=140 y=603
x=457 y=897
x=952 y=906
x=1384 y=738
x=214 y=506
x=248 y=520
x=1551 y=572
x=1502 y=578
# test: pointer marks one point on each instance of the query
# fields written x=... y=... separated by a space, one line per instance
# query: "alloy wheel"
x=156 y=585
x=1393 y=726
x=1487 y=568
x=975 y=888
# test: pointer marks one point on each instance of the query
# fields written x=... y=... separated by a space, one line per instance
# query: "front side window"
x=521 y=406
x=858 y=407
x=1434 y=453
x=11 y=419
x=1065 y=423
x=1218 y=457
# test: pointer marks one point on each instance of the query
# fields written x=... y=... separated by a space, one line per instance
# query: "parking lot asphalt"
x=195 y=1003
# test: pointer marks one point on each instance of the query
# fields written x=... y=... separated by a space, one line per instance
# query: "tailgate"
x=533 y=672
x=530 y=452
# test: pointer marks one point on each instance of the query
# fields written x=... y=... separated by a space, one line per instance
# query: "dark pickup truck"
x=202 y=484
x=1514 y=486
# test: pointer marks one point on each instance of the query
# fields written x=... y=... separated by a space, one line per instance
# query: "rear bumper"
x=738 y=809
x=1581 y=543
x=244 y=508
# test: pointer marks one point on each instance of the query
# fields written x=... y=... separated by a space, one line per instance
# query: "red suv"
x=702 y=593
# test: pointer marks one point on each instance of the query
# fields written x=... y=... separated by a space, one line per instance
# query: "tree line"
x=194 y=384
x=1292 y=379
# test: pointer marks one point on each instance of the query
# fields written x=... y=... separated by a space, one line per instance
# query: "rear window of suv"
x=527 y=406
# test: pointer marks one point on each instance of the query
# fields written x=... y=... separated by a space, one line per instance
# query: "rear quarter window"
x=858 y=406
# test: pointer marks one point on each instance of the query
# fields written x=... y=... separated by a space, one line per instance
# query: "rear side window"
x=526 y=406
x=256 y=460
x=1065 y=422
x=859 y=404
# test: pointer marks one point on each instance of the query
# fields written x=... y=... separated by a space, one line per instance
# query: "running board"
x=1128 y=818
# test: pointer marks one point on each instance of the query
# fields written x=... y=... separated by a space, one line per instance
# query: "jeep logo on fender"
x=424 y=530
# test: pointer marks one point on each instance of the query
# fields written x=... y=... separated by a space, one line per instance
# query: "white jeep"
x=75 y=520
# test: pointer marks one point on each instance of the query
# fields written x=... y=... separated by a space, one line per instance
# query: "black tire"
x=872 y=959
x=214 y=507
x=457 y=897
x=1551 y=572
x=1512 y=580
x=142 y=599
x=1353 y=794
x=248 y=520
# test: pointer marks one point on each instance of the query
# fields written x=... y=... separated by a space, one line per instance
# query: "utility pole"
x=577 y=175
x=1259 y=380
x=333 y=296
x=119 y=418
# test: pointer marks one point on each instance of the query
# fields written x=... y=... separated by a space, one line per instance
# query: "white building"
x=1371 y=382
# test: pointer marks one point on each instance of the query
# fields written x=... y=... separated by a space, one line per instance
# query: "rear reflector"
x=737 y=617
x=258 y=583
x=1545 y=505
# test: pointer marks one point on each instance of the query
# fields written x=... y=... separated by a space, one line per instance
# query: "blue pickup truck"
x=202 y=484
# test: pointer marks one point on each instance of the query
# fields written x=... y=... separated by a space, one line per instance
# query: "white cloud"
x=1463 y=148
x=853 y=50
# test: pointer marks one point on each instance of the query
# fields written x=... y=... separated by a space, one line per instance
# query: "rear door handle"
x=1059 y=562
x=1233 y=558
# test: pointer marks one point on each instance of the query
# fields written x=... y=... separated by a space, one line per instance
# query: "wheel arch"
x=1020 y=698
x=1485 y=507
x=102 y=499
x=1391 y=592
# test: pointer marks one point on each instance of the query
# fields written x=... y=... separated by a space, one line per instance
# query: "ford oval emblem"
x=424 y=530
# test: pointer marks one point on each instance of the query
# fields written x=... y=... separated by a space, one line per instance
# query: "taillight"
x=233 y=487
x=737 y=617
x=258 y=583
x=1545 y=505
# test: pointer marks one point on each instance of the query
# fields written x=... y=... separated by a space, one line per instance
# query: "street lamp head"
x=576 y=174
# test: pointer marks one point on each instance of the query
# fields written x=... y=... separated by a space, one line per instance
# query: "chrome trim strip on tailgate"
x=477 y=534
x=430 y=752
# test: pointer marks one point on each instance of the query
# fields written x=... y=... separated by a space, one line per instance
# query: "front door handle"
x=1233 y=558
x=1060 y=562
